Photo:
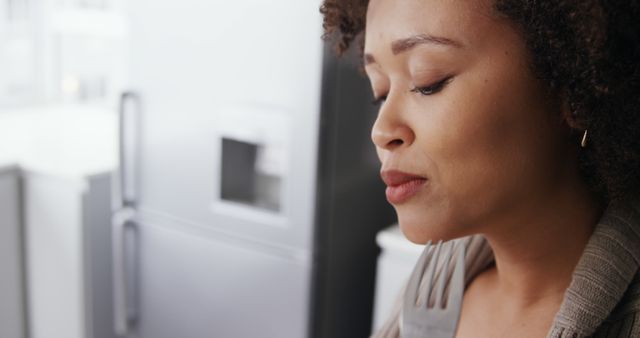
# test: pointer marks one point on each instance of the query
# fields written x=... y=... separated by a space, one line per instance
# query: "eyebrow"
x=403 y=45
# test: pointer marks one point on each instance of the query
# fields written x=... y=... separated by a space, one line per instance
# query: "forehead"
x=460 y=20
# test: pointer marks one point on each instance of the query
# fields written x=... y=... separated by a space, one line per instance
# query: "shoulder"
x=624 y=320
x=630 y=302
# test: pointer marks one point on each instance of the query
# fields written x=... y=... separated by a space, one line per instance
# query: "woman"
x=517 y=122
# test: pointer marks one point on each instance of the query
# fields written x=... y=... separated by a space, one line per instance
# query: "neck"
x=535 y=256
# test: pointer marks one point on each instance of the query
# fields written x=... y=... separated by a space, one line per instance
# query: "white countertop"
x=63 y=140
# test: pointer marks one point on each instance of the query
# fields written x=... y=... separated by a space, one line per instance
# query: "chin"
x=418 y=230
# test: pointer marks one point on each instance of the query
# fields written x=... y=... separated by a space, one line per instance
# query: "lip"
x=401 y=186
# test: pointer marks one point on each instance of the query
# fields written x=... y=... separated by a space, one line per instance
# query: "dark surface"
x=238 y=171
x=351 y=205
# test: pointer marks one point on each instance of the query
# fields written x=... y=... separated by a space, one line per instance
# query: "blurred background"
x=188 y=168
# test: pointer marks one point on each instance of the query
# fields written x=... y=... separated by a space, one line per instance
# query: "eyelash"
x=426 y=90
x=433 y=88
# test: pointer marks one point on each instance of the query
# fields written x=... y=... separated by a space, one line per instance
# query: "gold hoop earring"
x=584 y=139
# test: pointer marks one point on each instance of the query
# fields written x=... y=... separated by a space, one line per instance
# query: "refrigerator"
x=247 y=196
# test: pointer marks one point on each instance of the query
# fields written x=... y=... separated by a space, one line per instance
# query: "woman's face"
x=462 y=111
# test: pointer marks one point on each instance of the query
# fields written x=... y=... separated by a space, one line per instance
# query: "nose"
x=390 y=131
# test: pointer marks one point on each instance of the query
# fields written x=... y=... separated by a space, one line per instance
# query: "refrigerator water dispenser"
x=246 y=176
x=253 y=162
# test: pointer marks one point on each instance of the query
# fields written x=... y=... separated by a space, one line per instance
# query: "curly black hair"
x=588 y=50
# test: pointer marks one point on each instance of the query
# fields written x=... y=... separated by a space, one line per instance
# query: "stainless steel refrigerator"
x=247 y=198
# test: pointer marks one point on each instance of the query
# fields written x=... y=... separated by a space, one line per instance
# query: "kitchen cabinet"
x=18 y=58
x=68 y=238
x=65 y=233
x=62 y=51
x=12 y=323
x=58 y=193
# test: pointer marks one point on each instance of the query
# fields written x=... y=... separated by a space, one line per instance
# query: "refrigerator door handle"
x=125 y=313
x=124 y=201
x=125 y=194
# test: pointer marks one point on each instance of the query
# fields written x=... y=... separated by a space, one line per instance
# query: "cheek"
x=469 y=137
x=486 y=147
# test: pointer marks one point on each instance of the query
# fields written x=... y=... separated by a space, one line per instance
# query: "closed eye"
x=426 y=90
x=432 y=88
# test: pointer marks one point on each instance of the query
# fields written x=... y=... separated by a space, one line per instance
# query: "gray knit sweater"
x=603 y=299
